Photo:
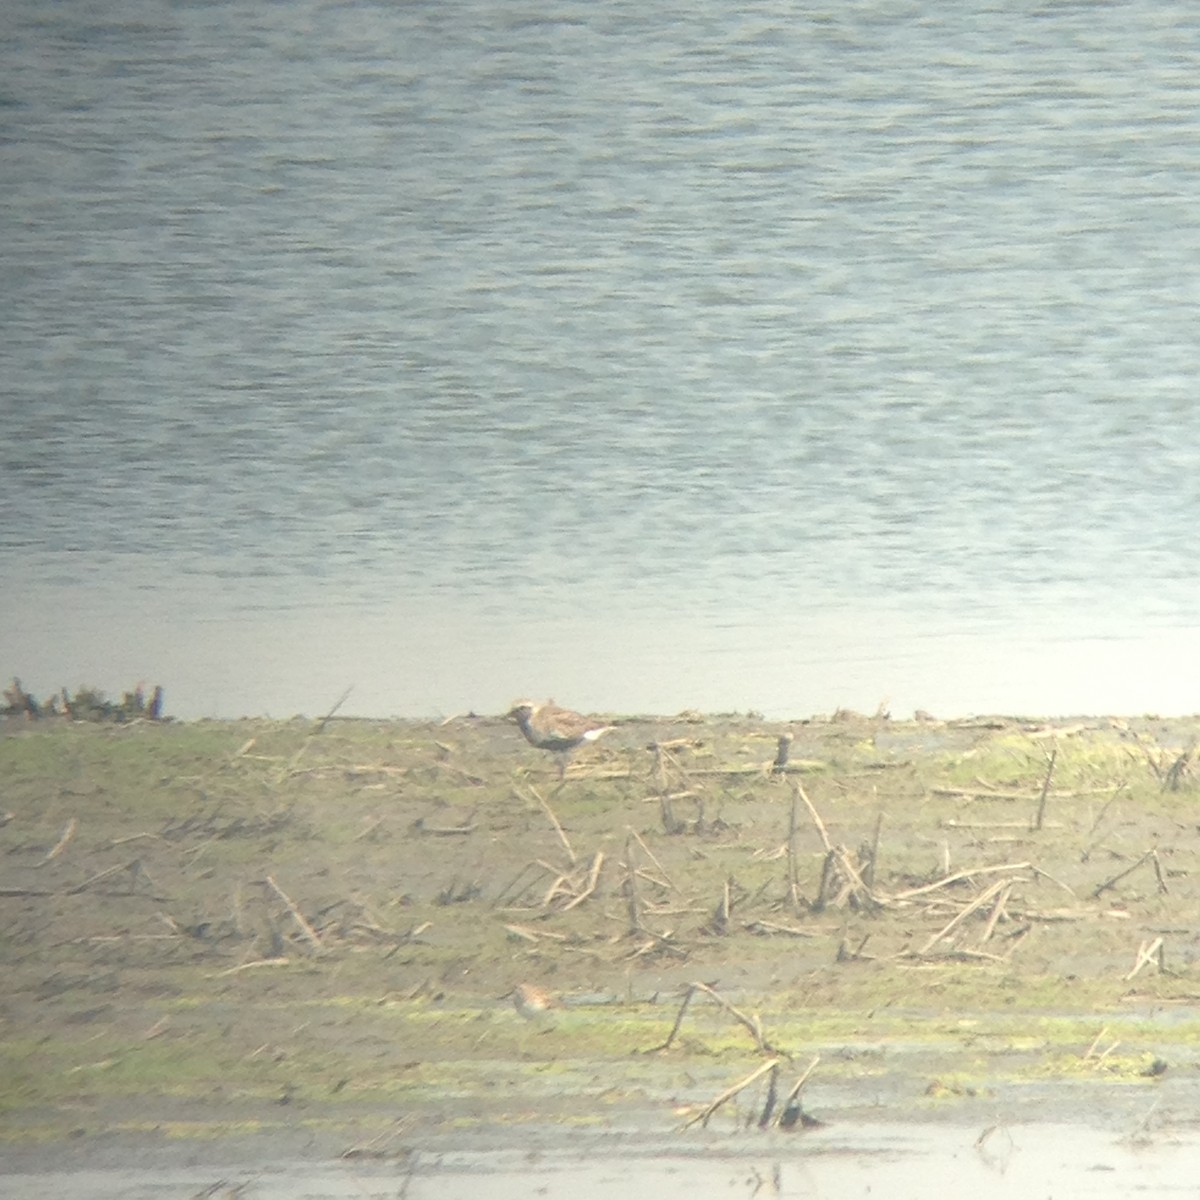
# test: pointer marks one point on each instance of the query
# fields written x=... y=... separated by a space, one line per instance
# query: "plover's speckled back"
x=559 y=730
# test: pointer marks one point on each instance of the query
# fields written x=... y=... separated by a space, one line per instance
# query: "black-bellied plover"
x=556 y=729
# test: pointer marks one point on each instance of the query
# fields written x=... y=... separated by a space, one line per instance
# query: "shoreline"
x=310 y=929
x=15 y=720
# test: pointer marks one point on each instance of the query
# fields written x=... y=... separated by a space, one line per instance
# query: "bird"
x=556 y=729
x=533 y=1003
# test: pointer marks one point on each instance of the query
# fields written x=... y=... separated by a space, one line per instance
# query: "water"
x=900 y=1161
x=645 y=356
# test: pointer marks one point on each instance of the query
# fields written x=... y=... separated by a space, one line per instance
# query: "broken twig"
x=305 y=928
x=703 y=1116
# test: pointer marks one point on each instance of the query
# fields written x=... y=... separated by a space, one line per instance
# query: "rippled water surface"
x=647 y=355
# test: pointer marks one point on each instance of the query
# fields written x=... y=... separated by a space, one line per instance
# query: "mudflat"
x=311 y=932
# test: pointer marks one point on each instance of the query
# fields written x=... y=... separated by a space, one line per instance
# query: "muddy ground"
x=220 y=930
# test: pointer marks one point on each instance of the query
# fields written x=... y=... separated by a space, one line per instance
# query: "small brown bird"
x=533 y=1003
x=556 y=729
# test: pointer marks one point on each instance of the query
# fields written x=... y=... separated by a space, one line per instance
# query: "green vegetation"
x=207 y=924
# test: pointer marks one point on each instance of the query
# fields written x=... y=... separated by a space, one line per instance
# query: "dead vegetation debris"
x=429 y=861
x=84 y=704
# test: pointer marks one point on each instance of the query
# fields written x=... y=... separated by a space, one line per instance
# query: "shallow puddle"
x=899 y=1162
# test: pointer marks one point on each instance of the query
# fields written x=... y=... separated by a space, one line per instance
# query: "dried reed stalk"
x=702 y=1117
x=562 y=837
x=1041 y=809
x=305 y=928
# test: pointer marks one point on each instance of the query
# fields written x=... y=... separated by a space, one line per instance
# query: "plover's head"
x=522 y=710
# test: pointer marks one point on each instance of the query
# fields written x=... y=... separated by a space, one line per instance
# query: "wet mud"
x=258 y=942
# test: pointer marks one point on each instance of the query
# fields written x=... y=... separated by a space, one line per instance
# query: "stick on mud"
x=687 y=999
x=983 y=898
x=562 y=837
x=702 y=1118
x=590 y=885
x=1041 y=809
x=751 y=1023
x=793 y=867
x=67 y=834
x=305 y=928
x=1103 y=887
x=632 y=897
x=816 y=818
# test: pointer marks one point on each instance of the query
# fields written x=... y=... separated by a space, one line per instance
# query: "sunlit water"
x=647 y=356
